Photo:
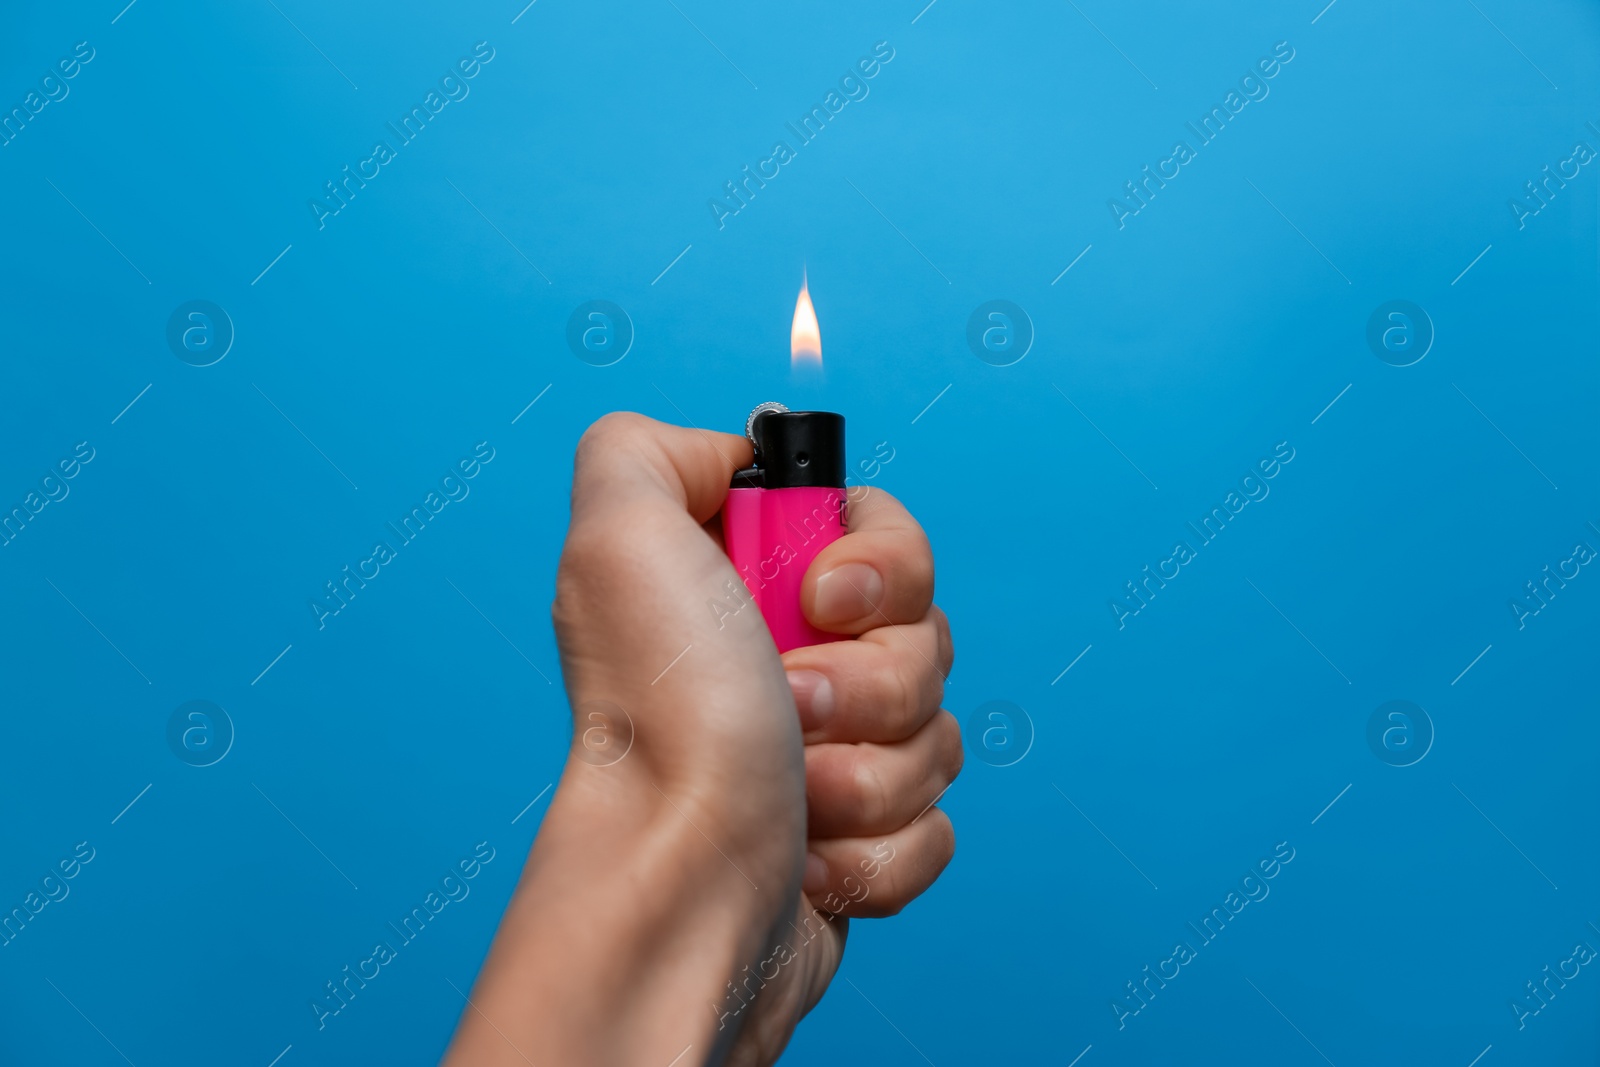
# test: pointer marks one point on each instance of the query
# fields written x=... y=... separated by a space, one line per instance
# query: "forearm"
x=624 y=932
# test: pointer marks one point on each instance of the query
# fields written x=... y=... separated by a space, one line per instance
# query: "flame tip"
x=805 y=334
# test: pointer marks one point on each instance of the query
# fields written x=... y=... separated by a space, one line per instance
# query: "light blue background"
x=1207 y=330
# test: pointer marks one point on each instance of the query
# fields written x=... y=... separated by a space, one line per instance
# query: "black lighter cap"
x=796 y=449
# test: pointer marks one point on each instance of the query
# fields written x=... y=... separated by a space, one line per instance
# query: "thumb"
x=638 y=571
x=626 y=460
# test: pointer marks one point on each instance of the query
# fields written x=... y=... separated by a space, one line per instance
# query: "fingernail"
x=813 y=698
x=846 y=593
x=816 y=877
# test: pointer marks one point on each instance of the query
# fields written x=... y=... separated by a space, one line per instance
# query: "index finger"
x=880 y=573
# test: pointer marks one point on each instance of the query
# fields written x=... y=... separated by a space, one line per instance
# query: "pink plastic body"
x=772 y=535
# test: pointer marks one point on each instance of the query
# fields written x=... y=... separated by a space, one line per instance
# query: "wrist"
x=627 y=910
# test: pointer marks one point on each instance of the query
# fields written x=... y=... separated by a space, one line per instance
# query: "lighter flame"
x=805 y=336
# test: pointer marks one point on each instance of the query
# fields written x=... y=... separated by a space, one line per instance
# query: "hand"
x=671 y=861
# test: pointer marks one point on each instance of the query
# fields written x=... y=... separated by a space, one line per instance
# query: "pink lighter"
x=784 y=510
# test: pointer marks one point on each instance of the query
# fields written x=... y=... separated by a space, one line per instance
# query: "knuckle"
x=610 y=433
x=945 y=642
x=613 y=426
x=942 y=845
x=892 y=690
x=869 y=499
x=934 y=660
x=935 y=694
x=871 y=797
x=900 y=891
x=919 y=567
x=908 y=691
x=888 y=499
x=952 y=753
